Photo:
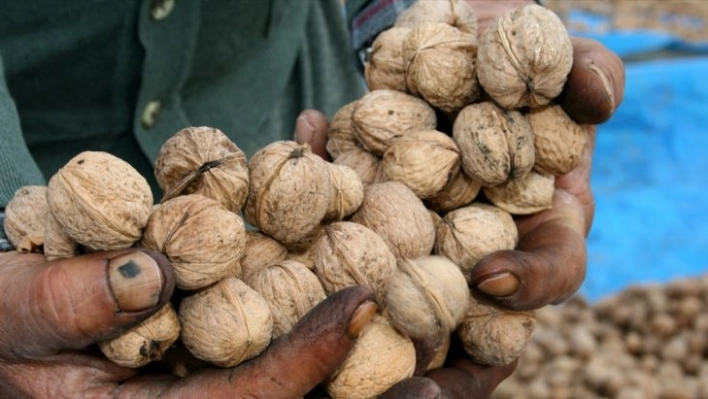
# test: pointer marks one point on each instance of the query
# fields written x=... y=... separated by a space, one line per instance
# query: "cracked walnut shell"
x=203 y=160
x=101 y=201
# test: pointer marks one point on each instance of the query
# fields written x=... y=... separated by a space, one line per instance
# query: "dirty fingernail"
x=501 y=285
x=361 y=318
x=304 y=131
x=136 y=281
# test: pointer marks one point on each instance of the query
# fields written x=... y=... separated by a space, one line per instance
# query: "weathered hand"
x=52 y=314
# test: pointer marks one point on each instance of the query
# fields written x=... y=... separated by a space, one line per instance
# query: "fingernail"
x=500 y=285
x=361 y=318
x=304 y=131
x=136 y=281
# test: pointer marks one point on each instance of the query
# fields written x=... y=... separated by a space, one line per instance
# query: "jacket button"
x=160 y=9
x=150 y=114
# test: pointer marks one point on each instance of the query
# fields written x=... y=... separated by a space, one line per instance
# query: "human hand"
x=52 y=314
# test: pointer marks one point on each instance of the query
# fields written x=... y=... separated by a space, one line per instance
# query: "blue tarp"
x=650 y=174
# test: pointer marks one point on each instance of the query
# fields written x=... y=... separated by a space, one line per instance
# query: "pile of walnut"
x=645 y=342
x=455 y=137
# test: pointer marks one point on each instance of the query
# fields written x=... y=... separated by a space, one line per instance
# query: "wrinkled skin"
x=548 y=266
x=53 y=313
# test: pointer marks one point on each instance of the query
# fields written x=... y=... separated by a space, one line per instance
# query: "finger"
x=293 y=364
x=548 y=265
x=465 y=379
x=414 y=388
x=71 y=303
x=595 y=86
x=311 y=127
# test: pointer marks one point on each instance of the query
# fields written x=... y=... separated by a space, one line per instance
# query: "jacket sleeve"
x=17 y=167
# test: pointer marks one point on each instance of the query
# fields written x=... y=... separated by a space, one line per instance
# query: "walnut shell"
x=440 y=65
x=259 y=252
x=348 y=254
x=385 y=68
x=394 y=212
x=57 y=243
x=427 y=298
x=203 y=240
x=495 y=145
x=25 y=216
x=380 y=358
x=459 y=191
x=226 y=323
x=290 y=191
x=303 y=250
x=457 y=13
x=146 y=342
x=524 y=57
x=423 y=160
x=492 y=335
x=101 y=201
x=366 y=165
x=524 y=196
x=468 y=234
x=291 y=291
x=382 y=116
x=559 y=140
x=203 y=160
x=347 y=192
x=340 y=134
x=440 y=354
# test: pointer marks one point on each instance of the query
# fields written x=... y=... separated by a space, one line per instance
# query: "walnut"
x=340 y=134
x=457 y=13
x=524 y=196
x=203 y=160
x=290 y=191
x=203 y=240
x=423 y=160
x=146 y=342
x=381 y=357
x=259 y=252
x=57 y=243
x=524 y=57
x=101 y=201
x=367 y=166
x=382 y=116
x=492 y=335
x=385 y=68
x=290 y=289
x=25 y=216
x=495 y=145
x=559 y=140
x=393 y=211
x=348 y=253
x=440 y=65
x=347 y=192
x=427 y=298
x=226 y=323
x=469 y=233
x=459 y=191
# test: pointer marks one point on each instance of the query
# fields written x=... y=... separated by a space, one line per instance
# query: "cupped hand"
x=53 y=313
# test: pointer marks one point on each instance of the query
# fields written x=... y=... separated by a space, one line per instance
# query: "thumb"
x=72 y=303
x=311 y=127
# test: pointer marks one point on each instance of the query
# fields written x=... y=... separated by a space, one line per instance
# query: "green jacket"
x=123 y=76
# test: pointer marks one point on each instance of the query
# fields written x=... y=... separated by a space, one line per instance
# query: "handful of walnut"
x=457 y=135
